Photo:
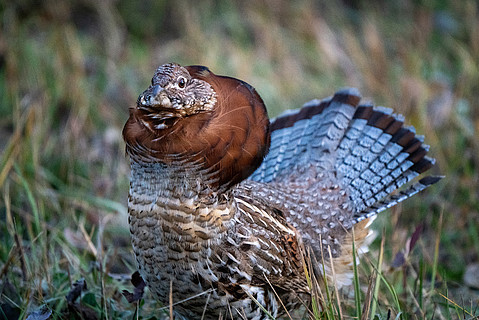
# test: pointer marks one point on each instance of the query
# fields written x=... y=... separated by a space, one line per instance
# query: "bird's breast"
x=170 y=215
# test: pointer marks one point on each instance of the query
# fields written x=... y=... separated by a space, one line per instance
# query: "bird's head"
x=189 y=115
x=174 y=94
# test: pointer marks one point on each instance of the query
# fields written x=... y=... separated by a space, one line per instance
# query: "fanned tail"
x=369 y=148
x=379 y=155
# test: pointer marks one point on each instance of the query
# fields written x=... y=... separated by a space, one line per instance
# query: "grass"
x=70 y=69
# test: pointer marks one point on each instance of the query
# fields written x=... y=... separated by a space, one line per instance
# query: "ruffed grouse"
x=222 y=202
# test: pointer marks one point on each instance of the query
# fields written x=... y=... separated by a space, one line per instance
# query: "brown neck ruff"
x=226 y=144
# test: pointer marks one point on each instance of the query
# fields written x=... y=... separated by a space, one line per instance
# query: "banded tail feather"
x=308 y=135
x=371 y=150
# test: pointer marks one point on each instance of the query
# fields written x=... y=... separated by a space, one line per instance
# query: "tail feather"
x=369 y=147
x=308 y=135
x=392 y=200
x=379 y=155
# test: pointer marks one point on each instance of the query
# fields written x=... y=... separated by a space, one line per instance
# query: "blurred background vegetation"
x=69 y=70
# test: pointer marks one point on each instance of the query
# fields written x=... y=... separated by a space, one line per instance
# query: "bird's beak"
x=154 y=96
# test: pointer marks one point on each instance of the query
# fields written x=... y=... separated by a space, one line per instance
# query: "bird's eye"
x=181 y=82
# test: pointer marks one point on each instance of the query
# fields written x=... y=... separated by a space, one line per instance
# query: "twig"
x=335 y=283
x=21 y=255
x=87 y=237
x=189 y=298
x=277 y=296
x=171 y=299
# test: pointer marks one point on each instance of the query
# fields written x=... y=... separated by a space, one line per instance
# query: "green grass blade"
x=378 y=278
x=436 y=253
x=357 y=292
x=31 y=200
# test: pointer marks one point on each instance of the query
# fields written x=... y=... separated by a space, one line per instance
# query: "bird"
x=229 y=210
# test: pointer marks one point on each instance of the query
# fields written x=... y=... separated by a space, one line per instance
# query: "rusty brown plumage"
x=218 y=139
x=227 y=222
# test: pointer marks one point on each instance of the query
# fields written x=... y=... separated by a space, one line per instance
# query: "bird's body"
x=224 y=224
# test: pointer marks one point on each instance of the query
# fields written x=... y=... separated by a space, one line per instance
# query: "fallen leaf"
x=415 y=236
x=76 y=290
x=399 y=260
x=471 y=276
x=42 y=313
x=79 y=310
x=139 y=289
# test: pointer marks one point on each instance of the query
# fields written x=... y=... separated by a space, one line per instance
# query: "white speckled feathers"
x=366 y=150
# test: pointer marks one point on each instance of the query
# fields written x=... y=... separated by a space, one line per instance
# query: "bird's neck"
x=176 y=196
